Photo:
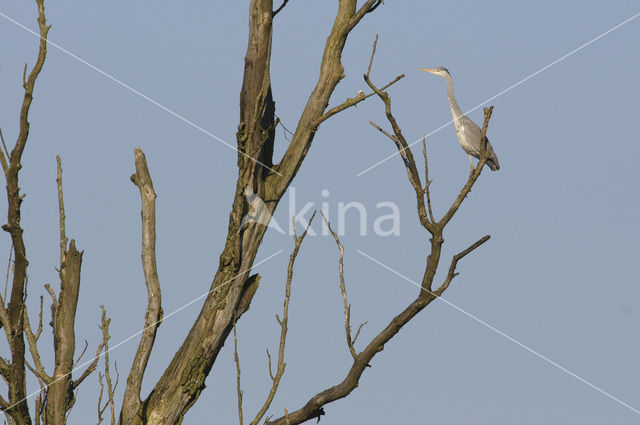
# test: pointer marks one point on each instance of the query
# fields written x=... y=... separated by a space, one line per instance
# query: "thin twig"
x=111 y=388
x=275 y=380
x=6 y=282
x=104 y=326
x=343 y=290
x=454 y=262
x=236 y=360
x=32 y=340
x=353 y=101
x=4 y=316
x=284 y=3
x=401 y=144
x=4 y=155
x=427 y=185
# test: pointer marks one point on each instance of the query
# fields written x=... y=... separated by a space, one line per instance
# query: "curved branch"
x=275 y=12
x=343 y=290
x=313 y=408
x=153 y=314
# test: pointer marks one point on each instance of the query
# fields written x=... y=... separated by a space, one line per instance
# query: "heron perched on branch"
x=469 y=134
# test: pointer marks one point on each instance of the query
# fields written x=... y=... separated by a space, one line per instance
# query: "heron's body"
x=468 y=132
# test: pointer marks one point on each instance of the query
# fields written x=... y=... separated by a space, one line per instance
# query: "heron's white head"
x=441 y=71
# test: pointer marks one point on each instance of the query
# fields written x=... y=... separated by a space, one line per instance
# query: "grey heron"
x=468 y=132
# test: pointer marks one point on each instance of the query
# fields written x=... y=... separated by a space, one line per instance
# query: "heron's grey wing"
x=473 y=135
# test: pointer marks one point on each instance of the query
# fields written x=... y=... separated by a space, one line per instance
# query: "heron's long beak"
x=432 y=71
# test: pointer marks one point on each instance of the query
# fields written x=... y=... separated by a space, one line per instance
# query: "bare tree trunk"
x=232 y=287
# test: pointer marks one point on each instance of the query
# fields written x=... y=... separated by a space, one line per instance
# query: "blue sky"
x=558 y=274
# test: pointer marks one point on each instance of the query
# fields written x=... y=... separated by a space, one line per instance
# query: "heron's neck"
x=455 y=109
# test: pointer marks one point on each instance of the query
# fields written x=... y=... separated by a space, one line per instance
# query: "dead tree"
x=233 y=286
x=56 y=395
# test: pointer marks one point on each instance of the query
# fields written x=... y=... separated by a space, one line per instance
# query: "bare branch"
x=454 y=262
x=368 y=7
x=343 y=290
x=6 y=282
x=402 y=146
x=353 y=101
x=284 y=3
x=355 y=338
x=5 y=369
x=314 y=407
x=275 y=380
x=101 y=408
x=153 y=314
x=111 y=388
x=269 y=357
x=110 y=400
x=19 y=410
x=427 y=184
x=40 y=404
x=84 y=350
x=54 y=303
x=57 y=402
x=4 y=316
x=331 y=72
x=104 y=326
x=236 y=360
x=184 y=379
x=63 y=236
x=32 y=339
x=487 y=116
x=4 y=155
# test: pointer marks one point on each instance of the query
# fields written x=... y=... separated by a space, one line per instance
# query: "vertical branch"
x=39 y=413
x=6 y=282
x=284 y=321
x=427 y=184
x=4 y=154
x=236 y=360
x=111 y=387
x=343 y=290
x=153 y=314
x=60 y=394
x=63 y=235
x=19 y=410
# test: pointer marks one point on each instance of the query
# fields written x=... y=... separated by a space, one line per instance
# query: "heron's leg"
x=471 y=162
